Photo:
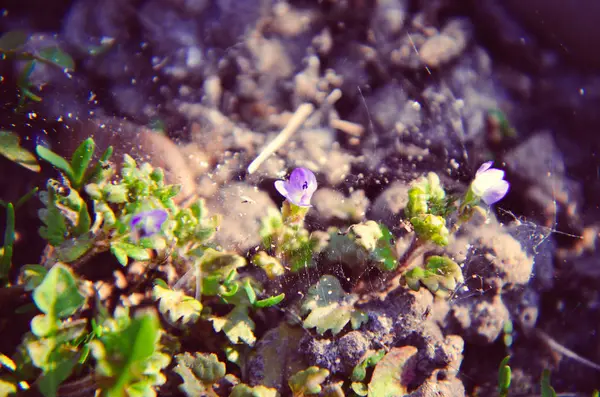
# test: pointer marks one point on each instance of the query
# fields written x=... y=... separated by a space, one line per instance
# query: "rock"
x=540 y=164
x=447 y=45
x=481 y=321
x=332 y=204
x=389 y=205
x=491 y=254
x=240 y=224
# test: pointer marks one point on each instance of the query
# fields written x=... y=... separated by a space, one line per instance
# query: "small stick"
x=557 y=347
x=348 y=127
x=296 y=121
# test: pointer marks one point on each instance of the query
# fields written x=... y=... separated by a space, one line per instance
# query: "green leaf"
x=269 y=264
x=547 y=389
x=10 y=148
x=120 y=254
x=431 y=228
x=271 y=301
x=32 y=276
x=504 y=377
x=199 y=372
x=116 y=194
x=57 y=296
x=12 y=40
x=391 y=371
x=329 y=307
x=249 y=292
x=8 y=387
x=179 y=308
x=9 y=239
x=216 y=266
x=243 y=390
x=58 y=57
x=128 y=358
x=360 y=371
x=6 y=362
x=81 y=160
x=61 y=368
x=441 y=276
x=236 y=325
x=308 y=381
x=119 y=248
x=359 y=388
x=56 y=160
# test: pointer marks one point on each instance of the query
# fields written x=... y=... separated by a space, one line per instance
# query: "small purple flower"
x=489 y=184
x=147 y=223
x=299 y=188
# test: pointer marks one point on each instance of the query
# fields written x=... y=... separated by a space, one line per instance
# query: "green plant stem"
x=32 y=56
x=417 y=248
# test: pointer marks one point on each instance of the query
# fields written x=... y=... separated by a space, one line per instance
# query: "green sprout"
x=504 y=377
x=440 y=275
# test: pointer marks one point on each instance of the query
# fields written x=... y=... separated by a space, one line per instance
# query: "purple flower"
x=489 y=184
x=299 y=188
x=147 y=223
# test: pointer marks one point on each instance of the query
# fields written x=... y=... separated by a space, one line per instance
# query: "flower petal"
x=484 y=167
x=281 y=187
x=495 y=193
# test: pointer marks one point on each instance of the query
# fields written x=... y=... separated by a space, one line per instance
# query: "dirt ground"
x=399 y=88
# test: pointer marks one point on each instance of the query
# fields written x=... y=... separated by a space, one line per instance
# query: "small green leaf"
x=269 y=264
x=132 y=251
x=9 y=239
x=32 y=276
x=11 y=149
x=271 y=301
x=308 y=381
x=249 y=292
x=56 y=160
x=177 y=306
x=6 y=362
x=329 y=307
x=360 y=371
x=58 y=295
x=547 y=389
x=81 y=160
x=243 y=390
x=504 y=377
x=359 y=388
x=58 y=57
x=391 y=372
x=128 y=358
x=116 y=194
x=236 y=325
x=199 y=372
x=12 y=40
x=120 y=254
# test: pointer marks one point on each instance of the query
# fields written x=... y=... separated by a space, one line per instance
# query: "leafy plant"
x=128 y=355
x=329 y=308
x=440 y=275
x=11 y=149
x=392 y=373
x=504 y=377
x=199 y=373
x=308 y=381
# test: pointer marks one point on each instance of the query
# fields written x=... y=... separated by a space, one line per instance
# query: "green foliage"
x=427 y=208
x=50 y=346
x=176 y=306
x=11 y=149
x=547 y=389
x=390 y=373
x=504 y=377
x=272 y=266
x=199 y=373
x=329 y=307
x=128 y=356
x=75 y=170
x=440 y=275
x=308 y=382
x=289 y=242
x=242 y=390
x=359 y=373
x=57 y=297
x=237 y=326
x=9 y=240
x=377 y=241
